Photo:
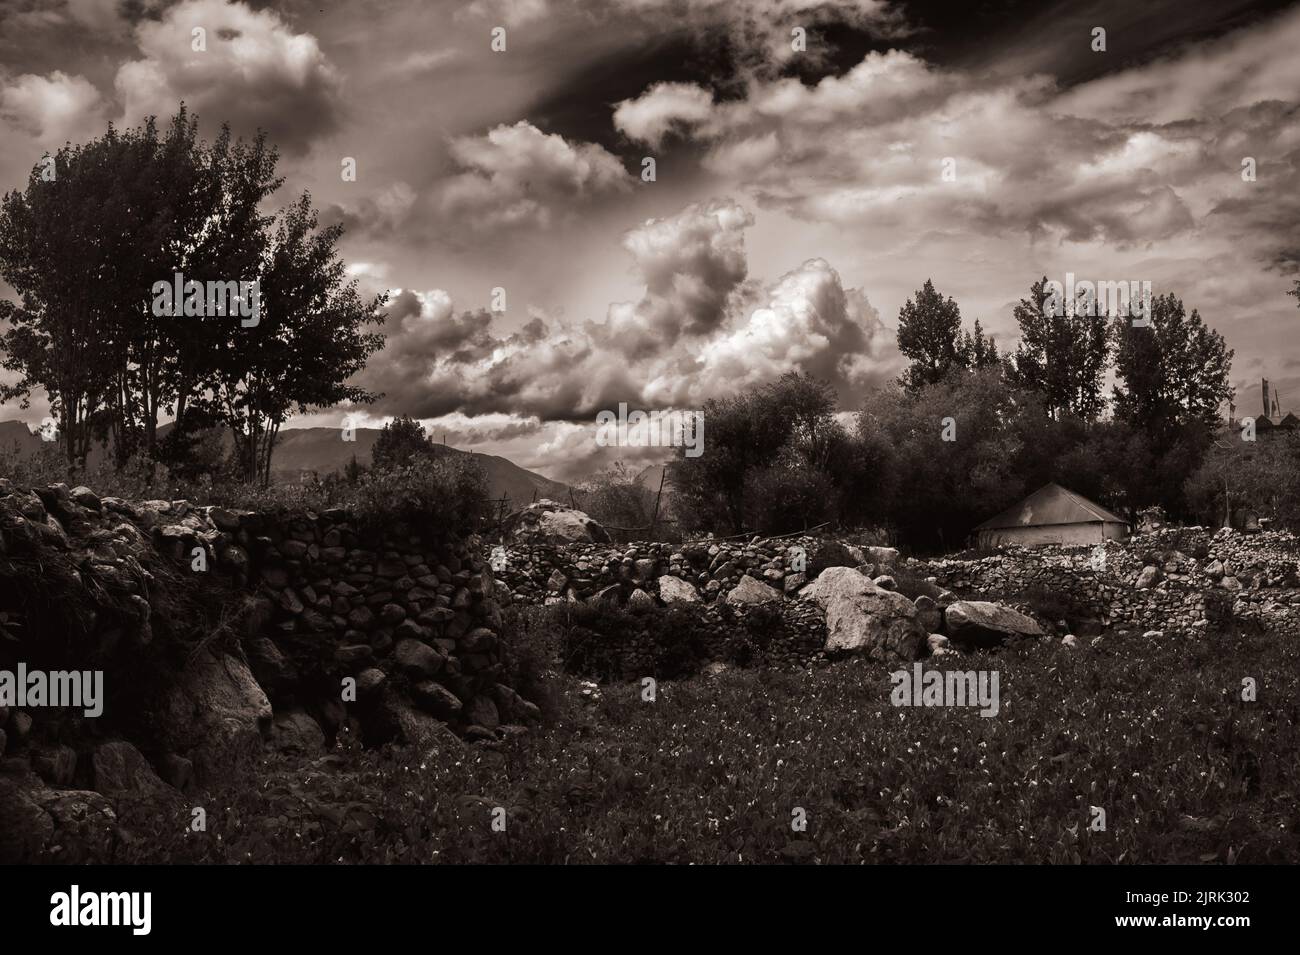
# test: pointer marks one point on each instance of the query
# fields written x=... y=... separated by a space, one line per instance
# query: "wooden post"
x=654 y=518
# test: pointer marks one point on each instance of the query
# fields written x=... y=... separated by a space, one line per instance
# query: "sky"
x=798 y=197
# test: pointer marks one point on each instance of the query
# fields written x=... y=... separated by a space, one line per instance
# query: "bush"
x=593 y=639
x=781 y=500
x=437 y=495
x=531 y=657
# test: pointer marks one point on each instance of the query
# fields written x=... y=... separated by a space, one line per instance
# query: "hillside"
x=323 y=450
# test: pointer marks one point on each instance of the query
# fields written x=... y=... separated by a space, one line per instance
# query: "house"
x=1051 y=515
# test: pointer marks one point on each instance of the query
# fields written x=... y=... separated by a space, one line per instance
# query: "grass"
x=713 y=771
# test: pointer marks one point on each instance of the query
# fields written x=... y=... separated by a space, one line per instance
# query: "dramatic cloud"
x=519 y=176
x=809 y=323
x=255 y=72
x=698 y=332
x=759 y=31
x=1136 y=157
x=52 y=108
x=691 y=264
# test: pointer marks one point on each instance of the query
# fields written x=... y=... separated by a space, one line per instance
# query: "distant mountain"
x=323 y=450
x=301 y=451
x=16 y=436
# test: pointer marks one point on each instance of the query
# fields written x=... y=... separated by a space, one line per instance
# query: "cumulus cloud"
x=52 y=108
x=713 y=331
x=811 y=323
x=256 y=72
x=649 y=117
x=692 y=262
x=518 y=175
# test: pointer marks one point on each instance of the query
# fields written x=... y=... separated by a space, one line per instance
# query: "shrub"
x=437 y=495
x=594 y=639
x=531 y=657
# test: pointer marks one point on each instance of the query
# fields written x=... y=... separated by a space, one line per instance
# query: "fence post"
x=654 y=518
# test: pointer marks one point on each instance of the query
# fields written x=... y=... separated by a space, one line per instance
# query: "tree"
x=1062 y=355
x=977 y=350
x=52 y=255
x=743 y=432
x=928 y=328
x=83 y=250
x=1172 y=378
x=775 y=458
x=951 y=452
x=399 y=442
x=1262 y=474
x=616 y=498
x=1173 y=373
x=309 y=340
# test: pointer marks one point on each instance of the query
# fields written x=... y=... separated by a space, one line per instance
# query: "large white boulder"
x=751 y=591
x=549 y=522
x=674 y=590
x=864 y=618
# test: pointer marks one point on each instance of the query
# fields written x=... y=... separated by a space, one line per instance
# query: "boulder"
x=121 y=768
x=436 y=698
x=980 y=623
x=929 y=613
x=823 y=554
x=483 y=712
x=640 y=602
x=752 y=591
x=548 y=522
x=369 y=682
x=864 y=618
x=86 y=497
x=214 y=699
x=38 y=824
x=674 y=590
x=417 y=660
x=296 y=732
x=408 y=725
x=882 y=556
x=1149 y=577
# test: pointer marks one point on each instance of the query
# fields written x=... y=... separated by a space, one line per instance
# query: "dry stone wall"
x=214 y=626
x=1177 y=579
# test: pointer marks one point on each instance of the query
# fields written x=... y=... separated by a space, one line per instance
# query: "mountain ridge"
x=301 y=451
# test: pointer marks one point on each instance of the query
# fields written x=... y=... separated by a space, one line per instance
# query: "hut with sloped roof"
x=1051 y=515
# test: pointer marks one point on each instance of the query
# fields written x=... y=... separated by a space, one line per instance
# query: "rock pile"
x=1169 y=580
x=703 y=571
